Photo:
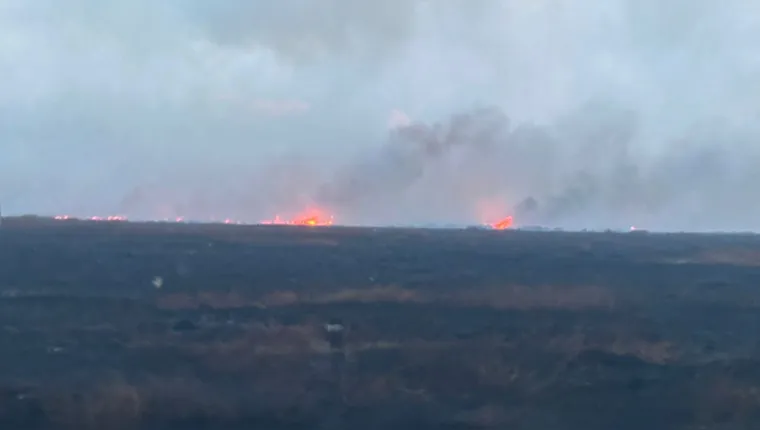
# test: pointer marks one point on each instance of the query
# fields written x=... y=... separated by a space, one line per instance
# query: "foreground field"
x=166 y=326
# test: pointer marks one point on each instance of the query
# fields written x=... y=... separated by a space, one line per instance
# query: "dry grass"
x=119 y=405
x=174 y=398
x=728 y=399
x=538 y=297
x=222 y=300
x=283 y=344
x=276 y=364
x=504 y=297
x=732 y=256
x=386 y=294
x=658 y=352
x=231 y=300
x=114 y=405
x=487 y=416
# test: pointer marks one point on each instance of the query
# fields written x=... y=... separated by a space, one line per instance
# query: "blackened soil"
x=167 y=326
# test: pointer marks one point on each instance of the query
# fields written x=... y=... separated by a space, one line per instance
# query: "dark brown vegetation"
x=164 y=326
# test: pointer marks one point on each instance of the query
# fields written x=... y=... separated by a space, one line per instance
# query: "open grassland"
x=166 y=326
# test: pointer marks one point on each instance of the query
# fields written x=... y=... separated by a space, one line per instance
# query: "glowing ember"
x=108 y=218
x=313 y=219
x=502 y=224
x=92 y=218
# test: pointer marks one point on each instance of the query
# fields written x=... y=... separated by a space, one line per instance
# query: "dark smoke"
x=406 y=158
x=579 y=172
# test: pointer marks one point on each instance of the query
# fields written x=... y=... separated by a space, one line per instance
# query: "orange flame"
x=92 y=218
x=311 y=219
x=502 y=224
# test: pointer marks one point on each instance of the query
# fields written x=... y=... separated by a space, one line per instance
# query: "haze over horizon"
x=598 y=113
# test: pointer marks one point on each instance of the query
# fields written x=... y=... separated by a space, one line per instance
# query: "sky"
x=604 y=113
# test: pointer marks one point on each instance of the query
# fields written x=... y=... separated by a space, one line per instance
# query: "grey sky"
x=244 y=108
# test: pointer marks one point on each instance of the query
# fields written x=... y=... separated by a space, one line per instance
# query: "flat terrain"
x=169 y=326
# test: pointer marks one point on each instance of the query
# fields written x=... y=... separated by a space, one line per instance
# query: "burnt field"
x=170 y=326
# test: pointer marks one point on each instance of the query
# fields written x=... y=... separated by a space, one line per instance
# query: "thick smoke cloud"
x=579 y=172
x=399 y=164
x=605 y=114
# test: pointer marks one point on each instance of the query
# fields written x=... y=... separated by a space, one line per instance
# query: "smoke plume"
x=579 y=172
x=607 y=113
